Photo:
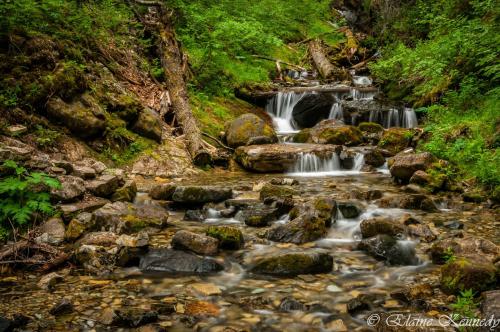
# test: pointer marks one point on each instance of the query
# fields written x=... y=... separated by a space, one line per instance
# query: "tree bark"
x=324 y=66
x=172 y=61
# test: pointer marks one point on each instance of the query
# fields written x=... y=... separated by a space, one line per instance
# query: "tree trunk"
x=324 y=66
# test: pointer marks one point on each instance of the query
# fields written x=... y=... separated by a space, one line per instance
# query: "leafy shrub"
x=22 y=195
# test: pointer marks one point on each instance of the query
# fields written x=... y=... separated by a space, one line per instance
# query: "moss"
x=370 y=127
x=345 y=135
x=271 y=190
x=75 y=230
x=229 y=237
x=302 y=136
x=395 y=139
x=464 y=273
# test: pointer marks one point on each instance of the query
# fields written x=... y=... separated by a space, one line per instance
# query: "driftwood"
x=321 y=62
x=174 y=64
x=218 y=141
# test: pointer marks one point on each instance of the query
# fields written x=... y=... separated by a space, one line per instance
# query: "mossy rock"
x=302 y=136
x=292 y=264
x=469 y=272
x=395 y=140
x=495 y=195
x=307 y=227
x=271 y=190
x=126 y=193
x=245 y=127
x=370 y=127
x=125 y=106
x=229 y=237
x=341 y=135
x=326 y=209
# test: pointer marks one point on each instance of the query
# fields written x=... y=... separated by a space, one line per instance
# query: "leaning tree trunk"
x=324 y=66
x=172 y=63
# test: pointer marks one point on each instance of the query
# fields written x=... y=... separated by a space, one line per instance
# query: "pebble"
x=206 y=289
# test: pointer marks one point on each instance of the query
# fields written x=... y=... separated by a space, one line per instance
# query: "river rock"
x=78 y=225
x=84 y=117
x=104 y=186
x=404 y=165
x=468 y=272
x=249 y=128
x=197 y=243
x=312 y=108
x=306 y=227
x=84 y=172
x=12 y=149
x=95 y=259
x=49 y=281
x=367 y=195
x=441 y=251
x=229 y=238
x=374 y=157
x=162 y=191
x=194 y=215
x=52 y=231
x=148 y=124
x=323 y=208
x=385 y=247
x=290 y=304
x=125 y=193
x=103 y=239
x=412 y=202
x=271 y=190
x=72 y=188
x=90 y=204
x=382 y=225
x=395 y=140
x=62 y=307
x=175 y=261
x=122 y=217
x=349 y=209
x=414 y=293
x=424 y=232
x=292 y=264
x=490 y=305
x=128 y=318
x=279 y=157
x=201 y=194
x=335 y=132
x=259 y=215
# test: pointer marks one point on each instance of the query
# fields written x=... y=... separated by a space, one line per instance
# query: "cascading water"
x=362 y=80
x=409 y=118
x=336 y=112
x=309 y=164
x=356 y=94
x=280 y=107
x=395 y=118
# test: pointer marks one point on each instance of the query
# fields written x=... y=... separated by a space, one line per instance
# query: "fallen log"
x=324 y=66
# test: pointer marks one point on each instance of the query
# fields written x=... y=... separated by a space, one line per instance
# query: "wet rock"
x=197 y=243
x=148 y=124
x=52 y=231
x=70 y=210
x=468 y=272
x=239 y=203
x=423 y=232
x=453 y=224
x=201 y=194
x=292 y=264
x=404 y=165
x=490 y=305
x=201 y=309
x=48 y=281
x=385 y=247
x=259 y=140
x=259 y=215
x=282 y=205
x=104 y=186
x=162 y=192
x=121 y=217
x=305 y=228
x=323 y=208
x=420 y=178
x=357 y=304
x=370 y=128
x=95 y=259
x=72 y=188
x=335 y=132
x=79 y=225
x=194 y=215
x=395 y=140
x=284 y=182
x=104 y=239
x=248 y=127
x=126 y=193
x=312 y=108
x=206 y=289
x=349 y=209
x=382 y=225
x=174 y=261
x=374 y=157
x=229 y=238
x=63 y=307
x=368 y=195
x=84 y=117
x=474 y=196
x=442 y=250
x=414 y=294
x=271 y=190
x=290 y=304
x=412 y=202
x=128 y=317
x=278 y=157
x=136 y=241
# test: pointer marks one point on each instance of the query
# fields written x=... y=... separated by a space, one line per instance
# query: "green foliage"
x=221 y=37
x=22 y=195
x=46 y=137
x=465 y=305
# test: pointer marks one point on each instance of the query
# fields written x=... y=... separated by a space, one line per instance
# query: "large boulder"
x=148 y=124
x=382 y=225
x=468 y=272
x=201 y=194
x=248 y=127
x=404 y=165
x=312 y=108
x=162 y=191
x=387 y=248
x=442 y=250
x=374 y=157
x=72 y=188
x=84 y=117
x=395 y=140
x=334 y=132
x=277 y=191
x=279 y=157
x=105 y=185
x=122 y=217
x=306 y=227
x=197 y=243
x=175 y=261
x=292 y=264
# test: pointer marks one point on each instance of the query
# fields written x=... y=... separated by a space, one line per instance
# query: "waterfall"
x=336 y=112
x=409 y=118
x=361 y=80
x=311 y=163
x=359 y=162
x=392 y=118
x=280 y=108
x=362 y=95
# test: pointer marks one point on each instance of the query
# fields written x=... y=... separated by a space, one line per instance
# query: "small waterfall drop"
x=336 y=112
x=309 y=164
x=356 y=94
x=361 y=80
x=409 y=118
x=392 y=119
x=280 y=107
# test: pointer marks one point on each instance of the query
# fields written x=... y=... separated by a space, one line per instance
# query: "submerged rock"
x=471 y=272
x=249 y=128
x=201 y=194
x=404 y=165
x=292 y=264
x=175 y=261
x=385 y=247
x=197 y=243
